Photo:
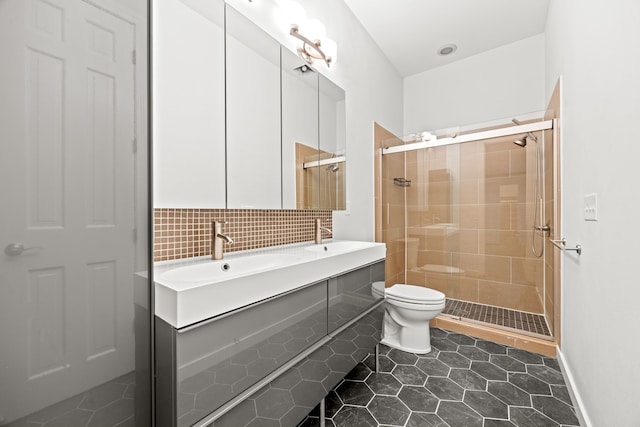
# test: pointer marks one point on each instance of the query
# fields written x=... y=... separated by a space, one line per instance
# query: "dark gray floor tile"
x=438 y=333
x=271 y=350
x=454 y=360
x=552 y=363
x=384 y=349
x=431 y=355
x=444 y=388
x=468 y=379
x=296 y=345
x=129 y=422
x=332 y=404
x=418 y=419
x=359 y=373
x=489 y=370
x=443 y=344
x=508 y=363
x=280 y=338
x=561 y=392
x=389 y=410
x=473 y=353
x=525 y=356
x=529 y=384
x=323 y=353
x=485 y=404
x=402 y=357
x=260 y=422
x=555 y=409
x=491 y=347
x=497 y=423
x=418 y=399
x=433 y=367
x=509 y=393
x=354 y=393
x=546 y=374
x=409 y=375
x=186 y=402
x=461 y=339
x=457 y=414
x=341 y=363
x=384 y=383
x=191 y=417
x=529 y=417
x=351 y=416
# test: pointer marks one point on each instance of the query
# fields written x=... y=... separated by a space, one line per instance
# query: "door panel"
x=67 y=181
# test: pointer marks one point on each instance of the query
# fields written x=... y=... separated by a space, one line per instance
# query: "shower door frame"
x=552 y=125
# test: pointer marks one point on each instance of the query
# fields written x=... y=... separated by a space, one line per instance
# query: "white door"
x=67 y=197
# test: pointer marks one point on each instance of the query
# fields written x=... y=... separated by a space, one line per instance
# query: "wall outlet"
x=591 y=207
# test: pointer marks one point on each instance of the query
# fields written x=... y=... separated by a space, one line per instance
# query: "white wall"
x=595 y=47
x=373 y=93
x=502 y=82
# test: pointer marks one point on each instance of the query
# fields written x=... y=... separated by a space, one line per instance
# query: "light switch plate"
x=591 y=207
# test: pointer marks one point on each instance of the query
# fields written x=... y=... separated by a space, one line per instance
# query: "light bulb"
x=330 y=48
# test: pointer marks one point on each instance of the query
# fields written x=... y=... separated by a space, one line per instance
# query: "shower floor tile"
x=514 y=319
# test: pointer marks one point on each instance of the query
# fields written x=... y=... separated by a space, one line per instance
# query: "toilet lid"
x=410 y=293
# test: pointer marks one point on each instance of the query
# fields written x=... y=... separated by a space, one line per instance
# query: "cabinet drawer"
x=221 y=359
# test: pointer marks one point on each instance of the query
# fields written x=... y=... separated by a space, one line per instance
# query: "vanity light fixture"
x=311 y=32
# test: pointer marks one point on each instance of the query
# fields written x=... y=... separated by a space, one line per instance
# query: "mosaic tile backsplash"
x=185 y=233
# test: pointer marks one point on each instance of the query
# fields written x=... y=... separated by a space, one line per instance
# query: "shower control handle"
x=15 y=249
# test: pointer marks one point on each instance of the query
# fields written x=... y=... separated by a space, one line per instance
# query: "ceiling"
x=410 y=32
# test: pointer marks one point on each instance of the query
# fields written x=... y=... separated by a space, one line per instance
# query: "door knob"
x=15 y=249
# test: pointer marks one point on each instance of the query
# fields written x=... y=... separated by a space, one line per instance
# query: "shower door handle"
x=15 y=249
x=562 y=245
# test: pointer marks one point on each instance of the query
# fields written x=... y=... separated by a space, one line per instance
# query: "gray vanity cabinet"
x=211 y=369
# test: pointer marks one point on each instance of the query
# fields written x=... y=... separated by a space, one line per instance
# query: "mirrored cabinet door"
x=189 y=104
x=253 y=116
x=300 y=184
x=332 y=146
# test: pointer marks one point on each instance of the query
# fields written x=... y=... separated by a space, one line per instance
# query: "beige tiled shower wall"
x=185 y=233
x=469 y=219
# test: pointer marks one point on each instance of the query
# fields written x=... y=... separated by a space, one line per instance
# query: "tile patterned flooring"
x=513 y=319
x=463 y=382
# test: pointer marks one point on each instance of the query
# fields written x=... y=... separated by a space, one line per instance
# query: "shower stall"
x=469 y=211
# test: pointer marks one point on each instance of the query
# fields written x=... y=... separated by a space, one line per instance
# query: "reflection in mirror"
x=189 y=104
x=332 y=164
x=253 y=115
x=299 y=132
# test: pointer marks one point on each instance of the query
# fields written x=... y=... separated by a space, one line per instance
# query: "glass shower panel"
x=469 y=216
x=394 y=184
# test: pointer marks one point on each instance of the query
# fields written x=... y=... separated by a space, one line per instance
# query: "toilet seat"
x=414 y=295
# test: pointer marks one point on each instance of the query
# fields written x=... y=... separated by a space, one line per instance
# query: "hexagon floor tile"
x=464 y=382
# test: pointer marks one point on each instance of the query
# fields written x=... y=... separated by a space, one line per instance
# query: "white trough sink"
x=190 y=291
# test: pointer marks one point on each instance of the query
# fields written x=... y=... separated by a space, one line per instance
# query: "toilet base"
x=410 y=339
x=394 y=344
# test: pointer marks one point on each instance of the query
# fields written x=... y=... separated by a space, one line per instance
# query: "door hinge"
x=133 y=57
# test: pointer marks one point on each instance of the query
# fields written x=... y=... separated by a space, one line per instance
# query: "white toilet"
x=408 y=310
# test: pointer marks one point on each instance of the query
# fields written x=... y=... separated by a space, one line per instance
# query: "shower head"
x=522 y=141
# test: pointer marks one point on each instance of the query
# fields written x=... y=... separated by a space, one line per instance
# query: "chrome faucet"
x=216 y=239
x=318 y=231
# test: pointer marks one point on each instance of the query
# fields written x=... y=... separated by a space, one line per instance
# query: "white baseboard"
x=578 y=404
